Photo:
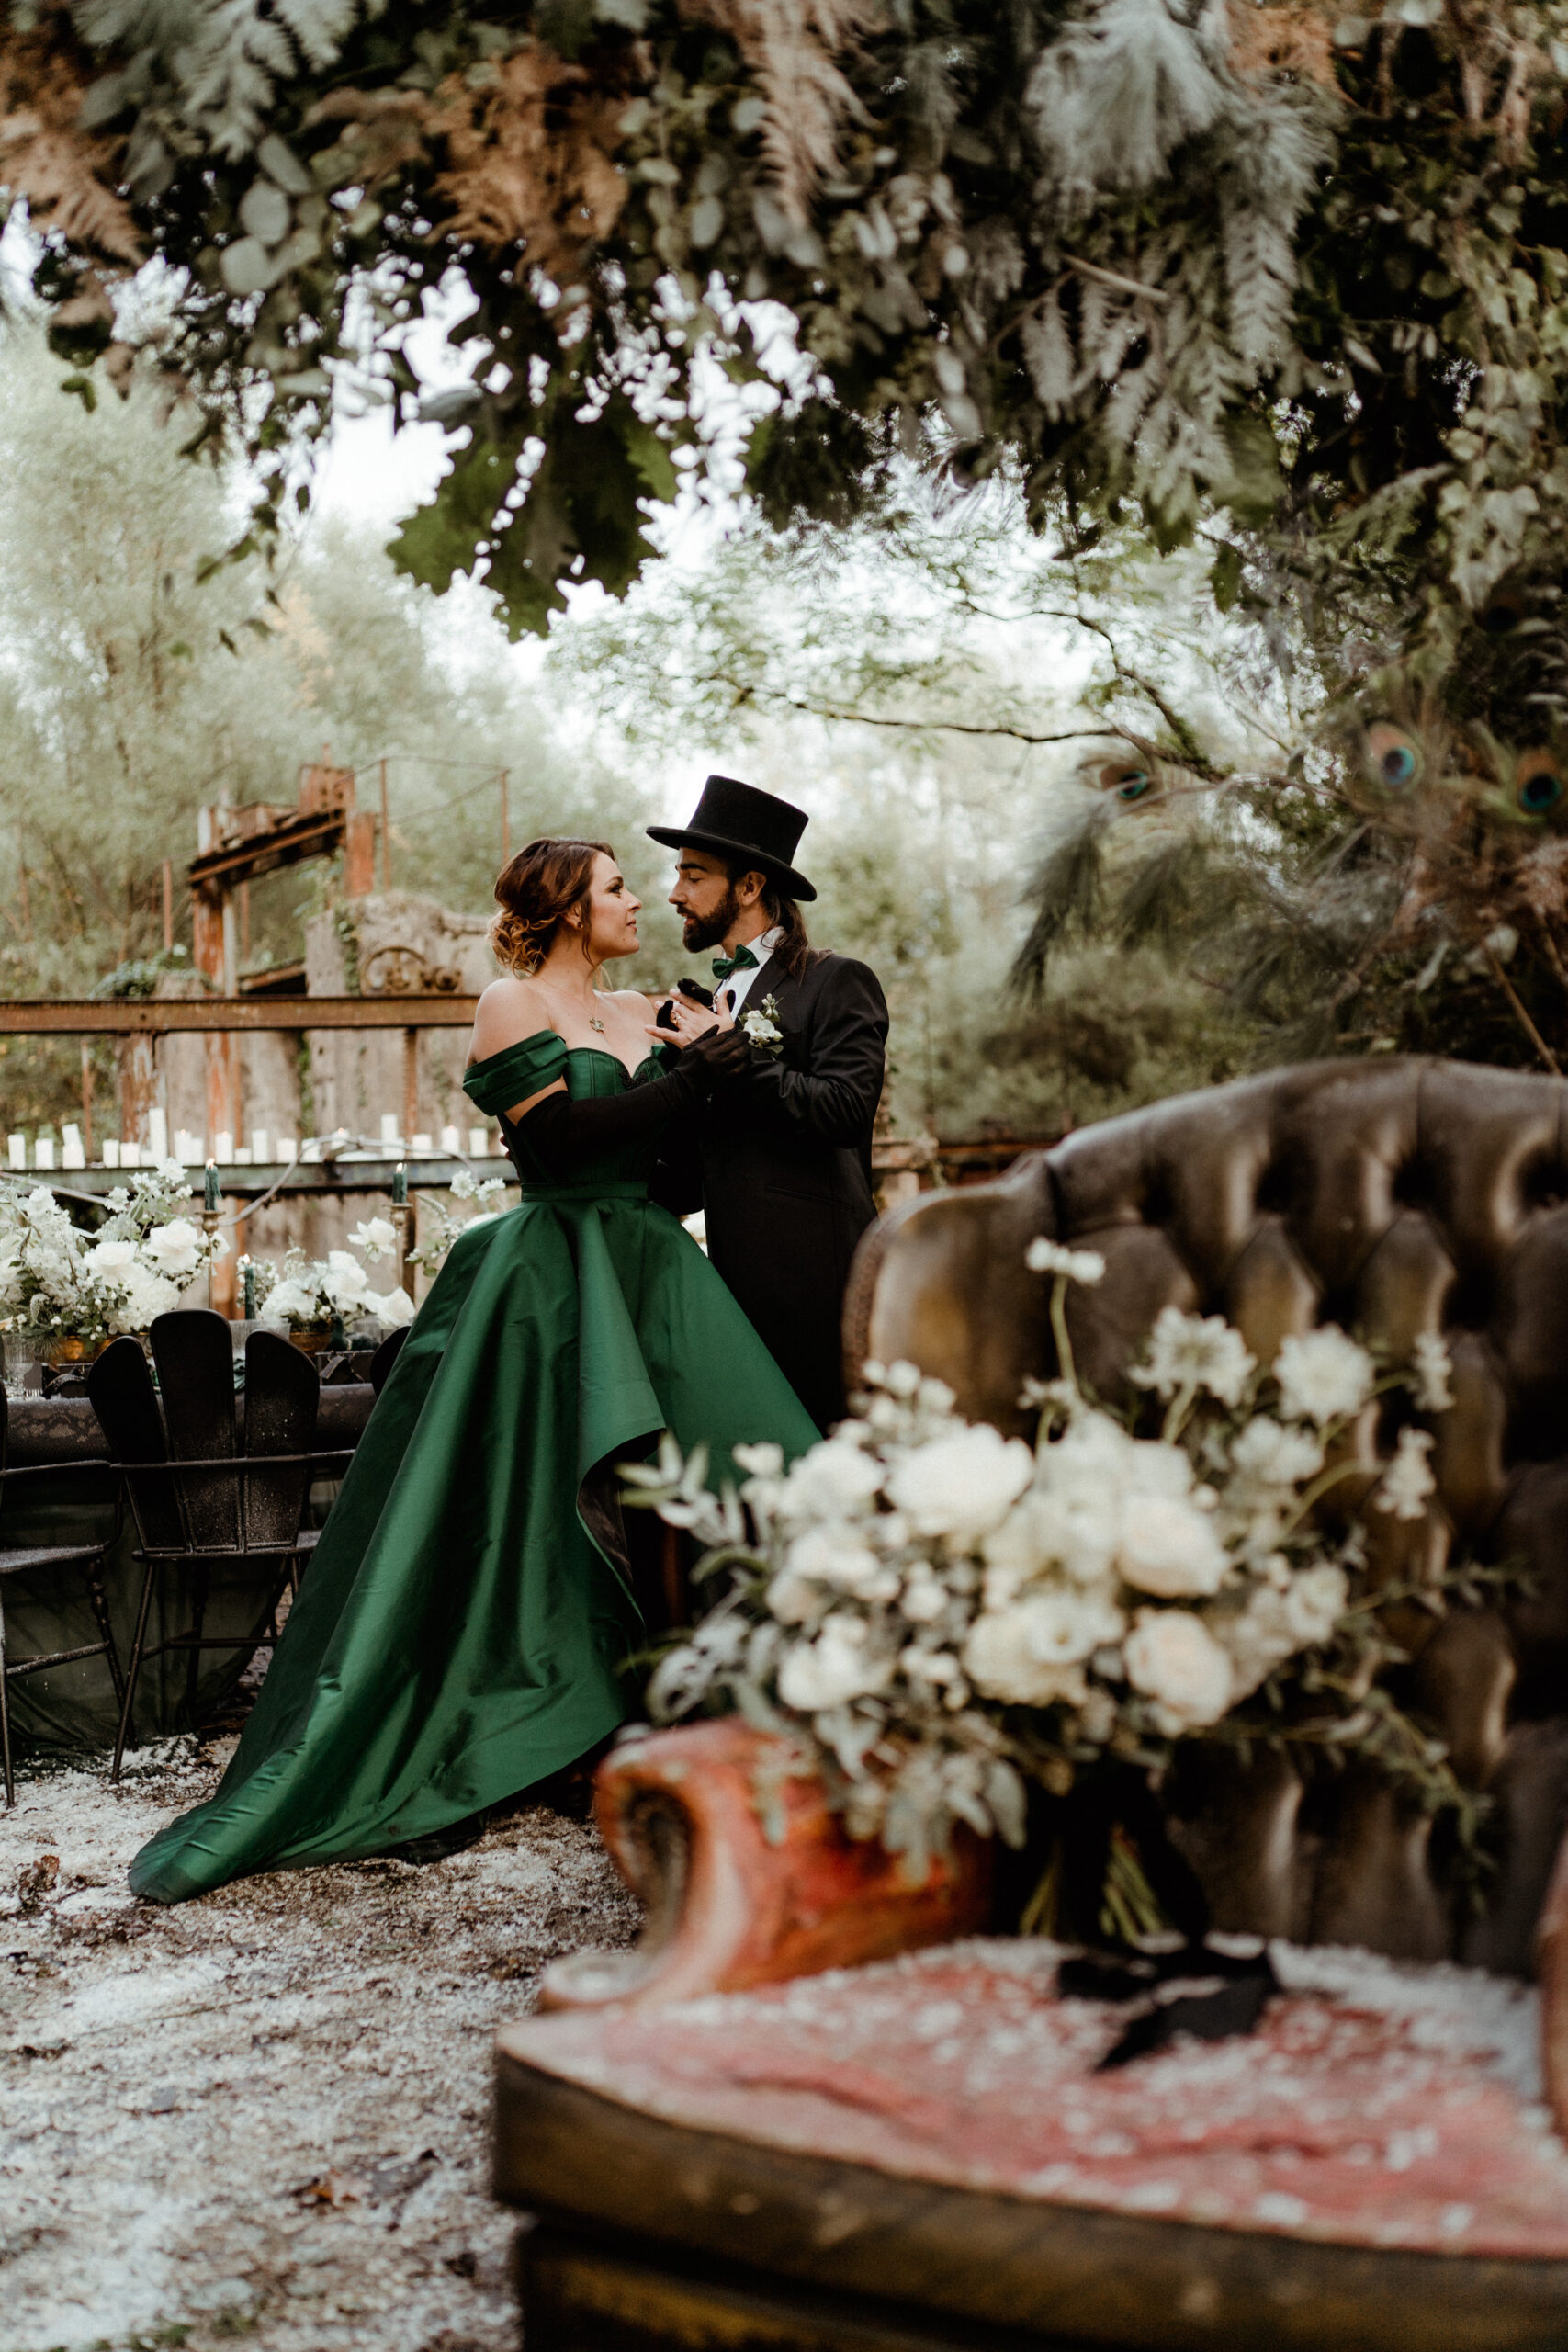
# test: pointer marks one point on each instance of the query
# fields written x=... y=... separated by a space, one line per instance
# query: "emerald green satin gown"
x=458 y=1634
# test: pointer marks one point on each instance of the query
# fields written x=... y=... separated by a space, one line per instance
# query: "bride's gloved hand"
x=720 y=1051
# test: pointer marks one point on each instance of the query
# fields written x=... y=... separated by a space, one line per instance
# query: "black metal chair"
x=195 y=1498
x=18 y=1559
x=386 y=1356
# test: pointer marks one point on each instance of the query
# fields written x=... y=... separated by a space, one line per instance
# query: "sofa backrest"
x=1391 y=1198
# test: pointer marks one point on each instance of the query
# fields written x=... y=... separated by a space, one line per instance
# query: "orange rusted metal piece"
x=726 y=1836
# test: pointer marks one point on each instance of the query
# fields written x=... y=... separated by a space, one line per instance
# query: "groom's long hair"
x=794 y=951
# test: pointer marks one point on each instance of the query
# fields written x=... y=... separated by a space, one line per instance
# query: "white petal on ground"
x=176 y=2078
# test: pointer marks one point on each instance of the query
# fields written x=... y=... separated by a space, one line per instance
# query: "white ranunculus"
x=1323 y=1376
x=1408 y=1482
x=111 y=1258
x=1195 y=1352
x=961 y=1486
x=175 y=1249
x=393 y=1306
x=1269 y=1454
x=834 y=1554
x=836 y=1665
x=1173 y=1658
x=834 y=1480
x=1168 y=1547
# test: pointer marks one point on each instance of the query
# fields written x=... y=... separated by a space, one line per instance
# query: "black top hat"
x=739 y=821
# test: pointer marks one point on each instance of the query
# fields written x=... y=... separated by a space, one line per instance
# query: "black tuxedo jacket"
x=779 y=1160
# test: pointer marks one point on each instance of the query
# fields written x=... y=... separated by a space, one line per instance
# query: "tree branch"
x=743 y=694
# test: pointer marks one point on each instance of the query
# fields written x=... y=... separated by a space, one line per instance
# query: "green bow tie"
x=741 y=961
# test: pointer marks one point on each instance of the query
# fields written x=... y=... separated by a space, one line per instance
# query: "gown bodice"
x=589 y=1071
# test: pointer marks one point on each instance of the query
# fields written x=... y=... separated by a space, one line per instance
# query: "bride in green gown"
x=458 y=1633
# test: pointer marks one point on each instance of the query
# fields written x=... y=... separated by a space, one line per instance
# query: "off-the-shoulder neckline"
x=603 y=1053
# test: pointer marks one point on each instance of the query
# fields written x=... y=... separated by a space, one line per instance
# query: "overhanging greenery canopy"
x=1301 y=268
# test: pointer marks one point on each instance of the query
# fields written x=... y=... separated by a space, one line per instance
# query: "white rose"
x=393 y=1306
x=835 y=1666
x=1031 y=1653
x=961 y=1486
x=147 y=1295
x=375 y=1236
x=175 y=1249
x=111 y=1258
x=1324 y=1376
x=1174 y=1659
x=289 y=1302
x=832 y=1481
x=1170 y=1548
x=833 y=1554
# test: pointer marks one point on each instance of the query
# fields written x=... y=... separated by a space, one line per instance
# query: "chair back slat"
x=121 y=1390
x=385 y=1357
x=194 y=1354
x=282 y=1395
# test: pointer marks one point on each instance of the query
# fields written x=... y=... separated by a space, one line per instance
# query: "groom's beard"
x=711 y=931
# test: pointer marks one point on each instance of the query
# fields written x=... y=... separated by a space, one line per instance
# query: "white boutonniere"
x=761 y=1029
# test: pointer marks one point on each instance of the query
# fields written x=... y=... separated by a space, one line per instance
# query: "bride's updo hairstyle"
x=547 y=881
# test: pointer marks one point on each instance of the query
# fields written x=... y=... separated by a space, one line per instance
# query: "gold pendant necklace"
x=596 y=1024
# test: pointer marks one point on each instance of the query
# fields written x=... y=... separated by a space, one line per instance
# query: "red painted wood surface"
x=726 y=1835
x=1363 y=2116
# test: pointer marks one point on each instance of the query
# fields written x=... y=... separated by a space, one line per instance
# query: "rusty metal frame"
x=169 y=1016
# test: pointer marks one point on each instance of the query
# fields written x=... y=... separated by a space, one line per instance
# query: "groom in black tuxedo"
x=780 y=1158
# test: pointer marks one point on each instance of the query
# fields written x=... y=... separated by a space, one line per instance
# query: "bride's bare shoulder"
x=509 y=1011
x=635 y=1000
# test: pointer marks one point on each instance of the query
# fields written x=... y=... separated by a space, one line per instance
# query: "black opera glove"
x=562 y=1135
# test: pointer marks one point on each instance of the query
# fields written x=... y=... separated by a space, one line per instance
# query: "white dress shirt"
x=735 y=989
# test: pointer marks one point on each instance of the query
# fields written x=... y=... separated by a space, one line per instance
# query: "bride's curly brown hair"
x=547 y=881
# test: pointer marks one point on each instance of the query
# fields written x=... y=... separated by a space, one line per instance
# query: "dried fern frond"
x=790 y=46
x=530 y=158
x=66 y=173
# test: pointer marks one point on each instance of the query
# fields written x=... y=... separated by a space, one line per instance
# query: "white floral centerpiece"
x=59 y=1282
x=943 y=1612
x=306 y=1293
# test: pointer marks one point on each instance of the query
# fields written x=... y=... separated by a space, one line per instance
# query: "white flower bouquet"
x=306 y=1293
x=59 y=1283
x=943 y=1612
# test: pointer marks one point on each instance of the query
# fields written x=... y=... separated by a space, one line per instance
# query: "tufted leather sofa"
x=1391 y=1198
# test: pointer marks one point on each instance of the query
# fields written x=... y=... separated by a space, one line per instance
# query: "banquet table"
x=72 y=1708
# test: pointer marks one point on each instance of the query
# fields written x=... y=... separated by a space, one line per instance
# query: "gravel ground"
x=264 y=2115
